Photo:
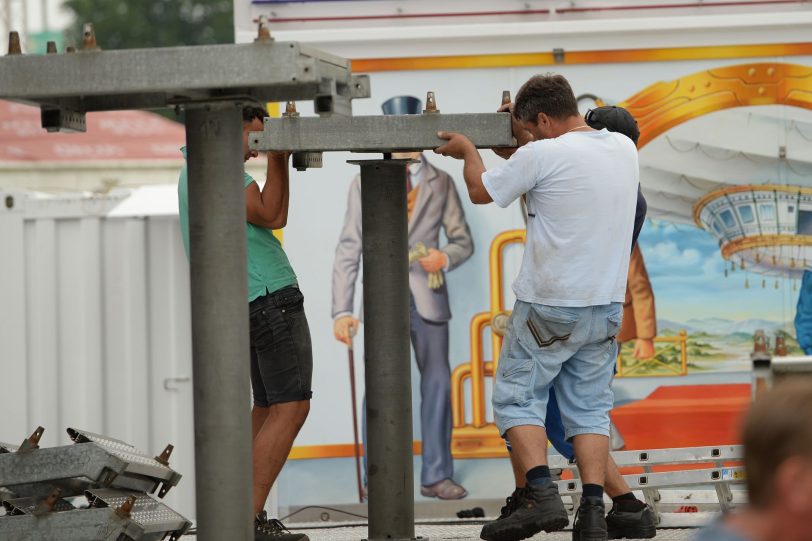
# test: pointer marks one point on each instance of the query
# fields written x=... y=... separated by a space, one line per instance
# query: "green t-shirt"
x=268 y=266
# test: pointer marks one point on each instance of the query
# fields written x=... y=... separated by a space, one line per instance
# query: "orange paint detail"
x=341 y=450
x=664 y=105
x=764 y=241
x=367 y=65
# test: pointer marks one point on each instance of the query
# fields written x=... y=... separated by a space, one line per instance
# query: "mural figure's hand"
x=643 y=349
x=344 y=328
x=435 y=261
x=457 y=146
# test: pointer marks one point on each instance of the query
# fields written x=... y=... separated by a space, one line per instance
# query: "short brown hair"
x=777 y=427
x=550 y=94
x=251 y=112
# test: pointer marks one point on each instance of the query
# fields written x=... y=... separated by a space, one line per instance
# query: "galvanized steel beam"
x=68 y=85
x=77 y=467
x=385 y=133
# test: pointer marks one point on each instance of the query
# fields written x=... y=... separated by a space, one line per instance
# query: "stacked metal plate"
x=96 y=489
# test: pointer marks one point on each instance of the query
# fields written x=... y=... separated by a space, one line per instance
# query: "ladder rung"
x=646 y=481
x=683 y=455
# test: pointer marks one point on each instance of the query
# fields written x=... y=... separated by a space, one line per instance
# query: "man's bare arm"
x=461 y=148
x=269 y=207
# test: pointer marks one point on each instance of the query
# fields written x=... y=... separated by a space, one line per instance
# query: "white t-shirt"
x=581 y=194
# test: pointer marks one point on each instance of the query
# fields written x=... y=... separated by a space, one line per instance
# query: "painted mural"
x=721 y=142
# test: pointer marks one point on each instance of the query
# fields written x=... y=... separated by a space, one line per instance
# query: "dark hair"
x=250 y=112
x=613 y=118
x=549 y=94
x=777 y=428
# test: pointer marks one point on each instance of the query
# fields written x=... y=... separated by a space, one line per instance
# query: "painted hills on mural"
x=713 y=344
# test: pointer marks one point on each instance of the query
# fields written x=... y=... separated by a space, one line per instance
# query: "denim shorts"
x=281 y=351
x=572 y=350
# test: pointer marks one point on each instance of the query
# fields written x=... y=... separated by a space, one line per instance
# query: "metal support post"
x=219 y=294
x=386 y=348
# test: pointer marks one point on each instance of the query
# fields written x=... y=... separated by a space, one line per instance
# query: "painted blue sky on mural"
x=687 y=274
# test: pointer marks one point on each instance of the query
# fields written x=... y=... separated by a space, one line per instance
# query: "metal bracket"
x=163 y=458
x=31 y=442
x=63 y=120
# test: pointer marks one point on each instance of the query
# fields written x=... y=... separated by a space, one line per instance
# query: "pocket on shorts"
x=291 y=302
x=548 y=326
x=262 y=329
x=514 y=381
x=614 y=320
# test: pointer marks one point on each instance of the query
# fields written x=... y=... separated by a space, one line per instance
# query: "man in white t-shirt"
x=580 y=186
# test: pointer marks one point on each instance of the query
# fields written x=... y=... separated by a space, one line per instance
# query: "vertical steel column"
x=386 y=349
x=220 y=351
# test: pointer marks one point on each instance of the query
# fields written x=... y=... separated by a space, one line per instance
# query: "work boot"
x=632 y=520
x=511 y=503
x=536 y=509
x=590 y=524
x=266 y=529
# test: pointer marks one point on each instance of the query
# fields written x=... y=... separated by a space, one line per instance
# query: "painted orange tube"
x=458 y=377
x=475 y=370
x=478 y=325
x=496 y=267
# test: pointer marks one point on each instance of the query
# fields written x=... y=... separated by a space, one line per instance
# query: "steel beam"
x=150 y=78
x=219 y=293
x=386 y=349
x=386 y=133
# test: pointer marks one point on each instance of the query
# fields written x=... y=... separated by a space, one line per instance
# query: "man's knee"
x=292 y=412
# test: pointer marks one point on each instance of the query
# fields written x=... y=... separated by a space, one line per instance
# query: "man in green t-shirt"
x=281 y=352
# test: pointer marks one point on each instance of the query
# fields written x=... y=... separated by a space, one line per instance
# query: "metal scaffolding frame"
x=211 y=83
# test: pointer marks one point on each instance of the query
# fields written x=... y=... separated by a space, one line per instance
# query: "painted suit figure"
x=433 y=204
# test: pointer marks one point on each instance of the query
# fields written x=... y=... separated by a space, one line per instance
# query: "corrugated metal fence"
x=95 y=328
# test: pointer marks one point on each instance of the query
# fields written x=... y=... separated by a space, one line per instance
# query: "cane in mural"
x=433 y=204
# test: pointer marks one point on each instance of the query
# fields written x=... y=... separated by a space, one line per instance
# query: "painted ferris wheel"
x=730 y=150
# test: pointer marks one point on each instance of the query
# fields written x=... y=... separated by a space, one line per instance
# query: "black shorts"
x=281 y=351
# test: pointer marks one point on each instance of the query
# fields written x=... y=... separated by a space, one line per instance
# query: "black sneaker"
x=590 y=523
x=536 y=509
x=632 y=522
x=266 y=529
x=511 y=503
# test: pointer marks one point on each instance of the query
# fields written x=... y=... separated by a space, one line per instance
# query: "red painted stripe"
x=410 y=16
x=677 y=6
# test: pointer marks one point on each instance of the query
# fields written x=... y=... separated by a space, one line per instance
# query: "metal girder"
x=148 y=517
x=383 y=133
x=97 y=80
x=79 y=525
x=148 y=520
x=140 y=467
x=76 y=467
